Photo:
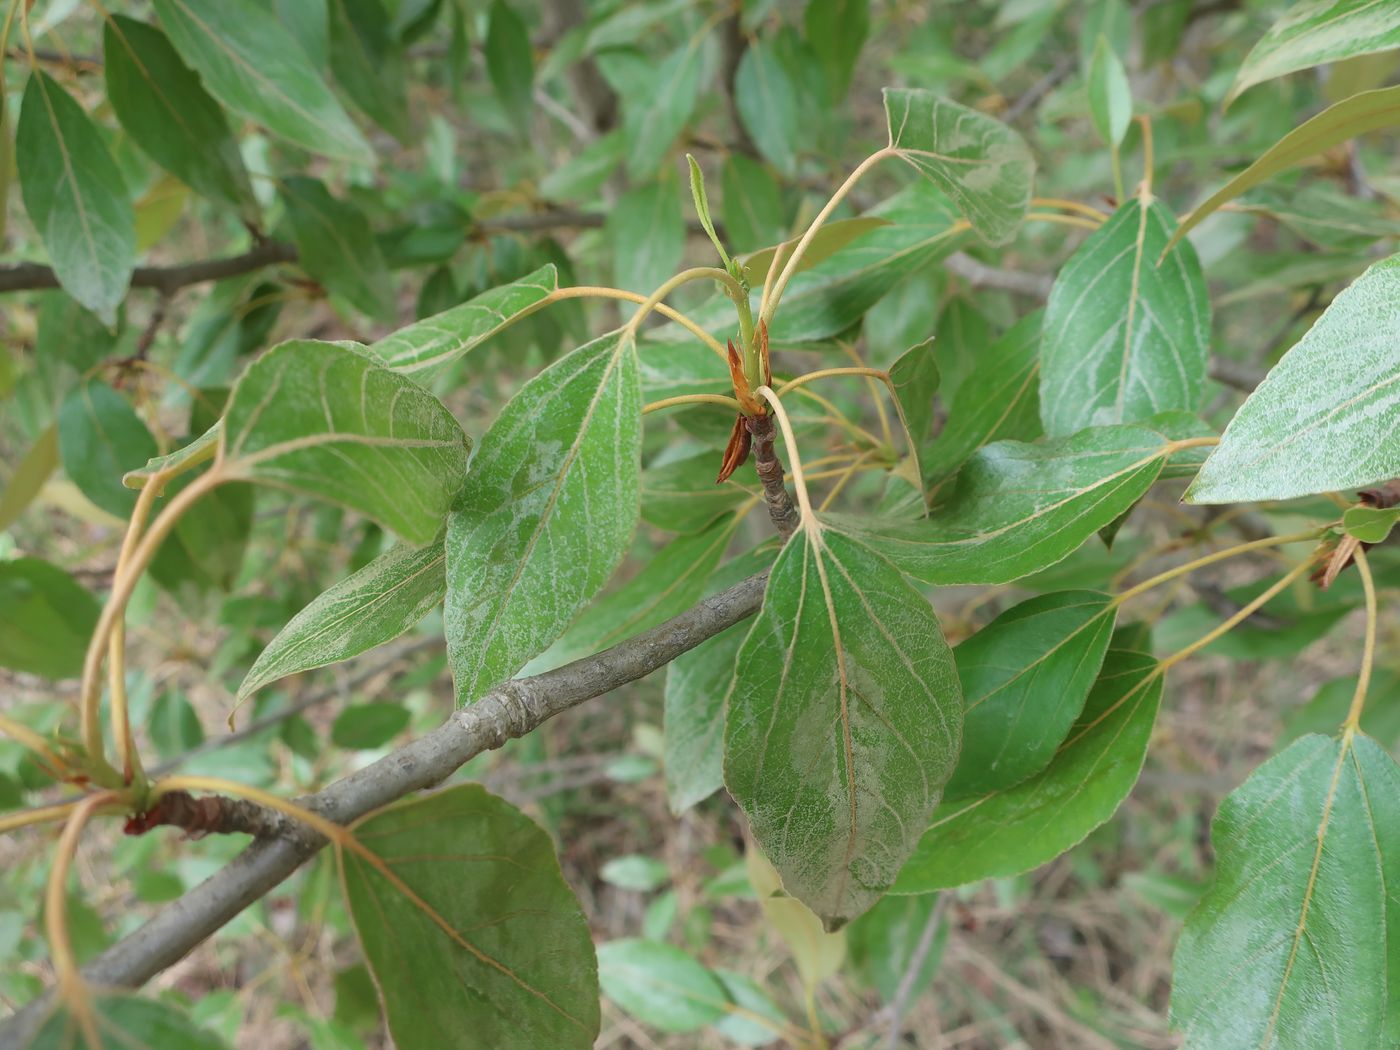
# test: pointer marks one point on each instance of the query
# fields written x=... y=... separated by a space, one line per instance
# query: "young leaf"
x=124 y=1022
x=1025 y=677
x=325 y=420
x=75 y=196
x=767 y=102
x=816 y=952
x=1018 y=508
x=336 y=246
x=1368 y=111
x=510 y=62
x=1307 y=858
x=46 y=619
x=843 y=722
x=1127 y=332
x=423 y=349
x=1021 y=827
x=255 y=67
x=547 y=512
x=682 y=495
x=368 y=608
x=368 y=64
x=165 y=109
x=198 y=452
x=1316 y=32
x=837 y=31
x=468 y=926
x=1370 y=524
x=1324 y=418
x=660 y=985
x=1110 y=97
x=979 y=162
x=100 y=437
x=998 y=401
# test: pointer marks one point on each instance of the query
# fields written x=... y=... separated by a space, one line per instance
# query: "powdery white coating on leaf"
x=1314 y=32
x=547 y=512
x=324 y=419
x=984 y=166
x=1291 y=944
x=368 y=608
x=1326 y=416
x=421 y=349
x=844 y=725
x=1125 y=336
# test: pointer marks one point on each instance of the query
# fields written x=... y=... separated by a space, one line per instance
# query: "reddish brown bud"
x=736 y=452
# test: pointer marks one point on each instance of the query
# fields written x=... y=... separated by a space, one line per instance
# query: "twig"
x=980 y=275
x=167 y=279
x=770 y=472
x=511 y=710
x=904 y=993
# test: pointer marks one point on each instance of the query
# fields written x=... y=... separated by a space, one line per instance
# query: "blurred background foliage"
x=508 y=135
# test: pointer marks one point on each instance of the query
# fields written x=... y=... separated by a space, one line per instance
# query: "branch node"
x=770 y=472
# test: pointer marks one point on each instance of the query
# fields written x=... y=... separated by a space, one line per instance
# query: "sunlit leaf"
x=325 y=420
x=468 y=926
x=1316 y=32
x=1325 y=417
x=1127 y=332
x=852 y=659
x=1307 y=858
x=1011 y=831
x=982 y=165
x=546 y=514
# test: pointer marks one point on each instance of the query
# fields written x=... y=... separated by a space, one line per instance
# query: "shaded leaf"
x=476 y=931
x=255 y=67
x=336 y=246
x=368 y=64
x=660 y=985
x=753 y=207
x=837 y=30
x=983 y=166
x=1018 y=508
x=1315 y=32
x=915 y=379
x=853 y=658
x=100 y=438
x=657 y=99
x=367 y=726
x=1020 y=828
x=831 y=238
x=682 y=496
x=510 y=62
x=1324 y=417
x=768 y=106
x=1127 y=332
x=1025 y=677
x=647 y=235
x=375 y=605
x=423 y=349
x=1307 y=856
x=28 y=476
x=75 y=196
x=46 y=619
x=751 y=1017
x=325 y=420
x=547 y=512
x=885 y=940
x=124 y=1022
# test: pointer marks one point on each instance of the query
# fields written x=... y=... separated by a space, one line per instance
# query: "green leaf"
x=837 y=29
x=367 y=726
x=669 y=583
x=1324 y=418
x=336 y=246
x=27 y=478
x=547 y=513
x=980 y=163
x=1018 y=508
x=1025 y=677
x=682 y=496
x=1316 y=32
x=583 y=175
x=915 y=379
x=753 y=208
x=635 y=872
x=206 y=549
x=174 y=726
x=100 y=437
x=469 y=926
x=255 y=67
x=751 y=1016
x=647 y=234
x=817 y=953
x=1110 y=97
x=1328 y=708
x=768 y=106
x=831 y=238
x=1127 y=332
x=853 y=659
x=75 y=196
x=375 y=605
x=199 y=451
x=325 y=420
x=46 y=619
x=164 y=108
x=999 y=400
x=1021 y=827
x=510 y=62
x=422 y=350
x=885 y=941
x=660 y=985
x=658 y=99
x=368 y=64
x=1368 y=111
x=1307 y=857
x=1370 y=524
x=124 y=1022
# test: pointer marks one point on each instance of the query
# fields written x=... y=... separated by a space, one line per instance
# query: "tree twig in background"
x=899 y=1006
